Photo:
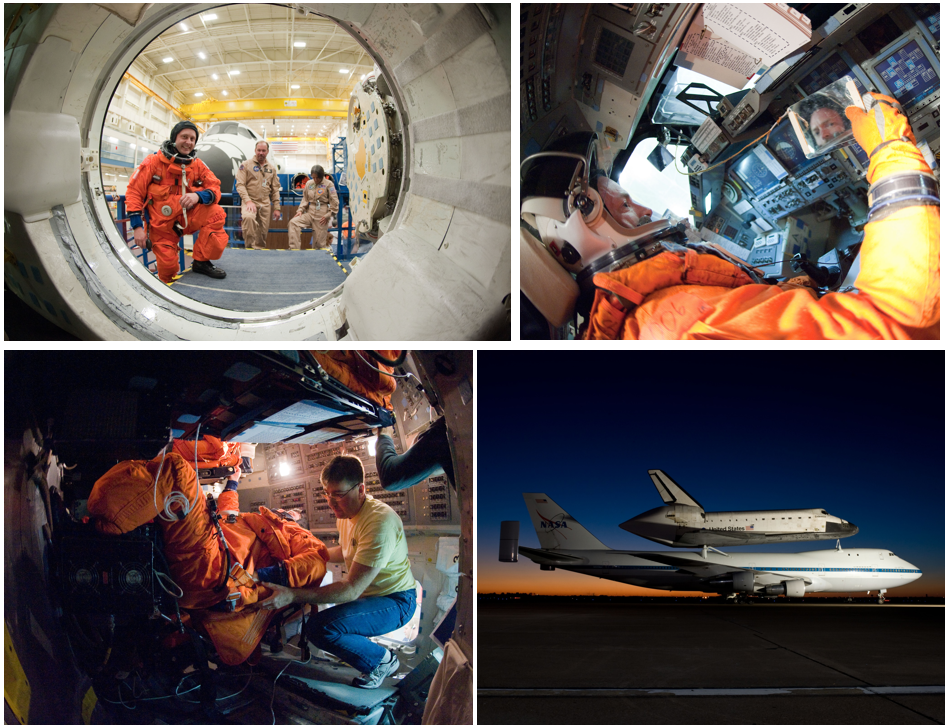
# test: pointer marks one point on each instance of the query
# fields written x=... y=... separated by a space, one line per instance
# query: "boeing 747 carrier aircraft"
x=566 y=544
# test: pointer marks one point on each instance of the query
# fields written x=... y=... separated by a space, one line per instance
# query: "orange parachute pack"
x=355 y=370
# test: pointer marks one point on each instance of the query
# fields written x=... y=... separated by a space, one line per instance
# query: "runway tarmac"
x=709 y=663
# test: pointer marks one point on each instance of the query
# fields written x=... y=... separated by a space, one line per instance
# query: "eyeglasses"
x=338 y=496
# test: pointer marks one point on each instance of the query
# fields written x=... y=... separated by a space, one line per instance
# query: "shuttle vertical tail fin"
x=556 y=527
x=670 y=491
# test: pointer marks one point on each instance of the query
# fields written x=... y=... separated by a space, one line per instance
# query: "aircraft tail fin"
x=556 y=527
x=670 y=491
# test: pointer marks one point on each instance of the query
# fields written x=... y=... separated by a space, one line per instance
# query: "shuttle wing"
x=670 y=491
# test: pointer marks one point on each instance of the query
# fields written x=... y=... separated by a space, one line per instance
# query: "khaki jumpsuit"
x=317 y=199
x=258 y=184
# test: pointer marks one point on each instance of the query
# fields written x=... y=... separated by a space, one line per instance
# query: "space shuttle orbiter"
x=684 y=522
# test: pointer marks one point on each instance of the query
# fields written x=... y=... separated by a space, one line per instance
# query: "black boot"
x=205 y=267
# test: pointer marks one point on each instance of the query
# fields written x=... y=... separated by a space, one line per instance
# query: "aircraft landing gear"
x=880 y=596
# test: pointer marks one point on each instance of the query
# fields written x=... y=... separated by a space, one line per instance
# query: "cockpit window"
x=660 y=191
x=824 y=513
x=214 y=129
x=670 y=110
x=246 y=133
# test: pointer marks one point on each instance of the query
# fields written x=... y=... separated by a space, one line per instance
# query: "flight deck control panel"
x=770 y=185
x=287 y=475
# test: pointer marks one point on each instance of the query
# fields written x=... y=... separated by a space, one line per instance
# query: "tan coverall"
x=317 y=200
x=258 y=184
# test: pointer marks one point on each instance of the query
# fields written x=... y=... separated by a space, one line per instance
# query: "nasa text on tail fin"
x=556 y=527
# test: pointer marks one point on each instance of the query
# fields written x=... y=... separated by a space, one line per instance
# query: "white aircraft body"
x=566 y=544
x=684 y=522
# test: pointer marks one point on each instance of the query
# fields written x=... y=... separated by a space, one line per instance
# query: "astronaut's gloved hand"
x=885 y=134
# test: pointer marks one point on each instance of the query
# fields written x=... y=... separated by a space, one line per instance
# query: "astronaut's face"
x=826 y=125
x=185 y=141
x=261 y=152
x=619 y=203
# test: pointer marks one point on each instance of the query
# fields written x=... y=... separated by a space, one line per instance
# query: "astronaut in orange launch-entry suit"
x=261 y=546
x=181 y=196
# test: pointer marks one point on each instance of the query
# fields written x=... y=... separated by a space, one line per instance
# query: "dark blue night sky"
x=860 y=434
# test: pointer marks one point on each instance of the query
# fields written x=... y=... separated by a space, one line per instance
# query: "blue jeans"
x=342 y=630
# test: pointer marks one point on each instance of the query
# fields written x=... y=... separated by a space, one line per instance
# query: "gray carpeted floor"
x=263 y=280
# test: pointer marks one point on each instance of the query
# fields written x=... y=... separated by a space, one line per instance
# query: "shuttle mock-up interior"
x=711 y=133
x=422 y=164
x=158 y=505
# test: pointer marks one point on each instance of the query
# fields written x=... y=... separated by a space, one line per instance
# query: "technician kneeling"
x=182 y=195
x=378 y=594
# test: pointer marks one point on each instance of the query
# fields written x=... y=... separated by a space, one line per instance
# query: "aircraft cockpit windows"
x=824 y=513
x=666 y=190
x=213 y=129
x=670 y=110
x=246 y=133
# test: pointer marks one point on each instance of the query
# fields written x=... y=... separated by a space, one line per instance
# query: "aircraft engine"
x=744 y=581
x=794 y=588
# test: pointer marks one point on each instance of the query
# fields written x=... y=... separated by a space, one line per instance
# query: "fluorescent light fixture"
x=168 y=60
x=210 y=16
x=235 y=73
x=201 y=55
x=224 y=92
x=299 y=44
x=198 y=93
x=343 y=70
x=183 y=26
x=214 y=76
x=296 y=85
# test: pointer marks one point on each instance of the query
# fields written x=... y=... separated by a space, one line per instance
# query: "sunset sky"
x=860 y=434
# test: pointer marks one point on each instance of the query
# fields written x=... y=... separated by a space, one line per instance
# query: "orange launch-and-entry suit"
x=124 y=498
x=157 y=184
x=693 y=296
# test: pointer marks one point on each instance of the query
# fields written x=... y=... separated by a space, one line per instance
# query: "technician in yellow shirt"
x=378 y=594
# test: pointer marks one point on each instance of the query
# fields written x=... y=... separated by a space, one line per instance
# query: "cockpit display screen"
x=833 y=68
x=908 y=74
x=785 y=147
x=929 y=13
x=760 y=170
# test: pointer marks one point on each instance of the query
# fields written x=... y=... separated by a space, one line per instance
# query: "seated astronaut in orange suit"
x=216 y=584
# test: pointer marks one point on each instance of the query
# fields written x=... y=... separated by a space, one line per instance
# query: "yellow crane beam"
x=209 y=111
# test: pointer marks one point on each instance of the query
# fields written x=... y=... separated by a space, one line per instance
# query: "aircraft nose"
x=841 y=530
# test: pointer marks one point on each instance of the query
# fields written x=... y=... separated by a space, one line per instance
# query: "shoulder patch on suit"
x=241 y=168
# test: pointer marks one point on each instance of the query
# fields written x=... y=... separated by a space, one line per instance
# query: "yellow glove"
x=885 y=134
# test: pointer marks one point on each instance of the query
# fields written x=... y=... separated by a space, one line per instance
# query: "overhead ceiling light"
x=296 y=85
x=225 y=92
x=113 y=140
x=234 y=73
x=214 y=76
x=198 y=93
x=183 y=26
x=201 y=55
x=343 y=70
x=299 y=44
x=168 y=60
x=210 y=16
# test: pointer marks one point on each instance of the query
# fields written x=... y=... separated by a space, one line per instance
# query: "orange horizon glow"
x=569 y=584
